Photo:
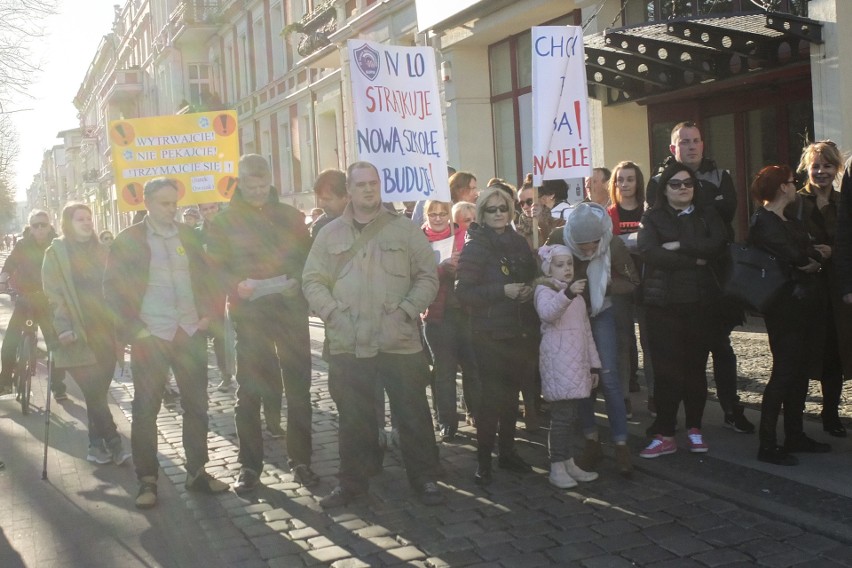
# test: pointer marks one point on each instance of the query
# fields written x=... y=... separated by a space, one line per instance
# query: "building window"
x=199 y=83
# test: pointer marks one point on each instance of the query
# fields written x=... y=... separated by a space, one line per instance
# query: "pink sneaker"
x=696 y=441
x=659 y=446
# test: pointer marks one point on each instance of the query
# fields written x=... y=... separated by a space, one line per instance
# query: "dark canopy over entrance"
x=636 y=63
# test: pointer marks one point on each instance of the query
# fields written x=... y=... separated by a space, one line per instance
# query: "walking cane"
x=47 y=412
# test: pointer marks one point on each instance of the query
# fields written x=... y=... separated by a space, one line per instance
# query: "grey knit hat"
x=585 y=223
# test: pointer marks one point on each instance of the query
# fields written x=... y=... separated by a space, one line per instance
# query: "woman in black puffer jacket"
x=495 y=272
x=679 y=242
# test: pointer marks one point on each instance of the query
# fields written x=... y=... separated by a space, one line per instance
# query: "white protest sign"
x=561 y=137
x=398 y=125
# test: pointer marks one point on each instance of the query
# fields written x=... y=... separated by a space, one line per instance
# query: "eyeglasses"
x=495 y=208
x=439 y=215
x=678 y=183
x=39 y=225
x=528 y=201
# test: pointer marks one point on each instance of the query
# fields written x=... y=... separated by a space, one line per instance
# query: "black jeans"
x=679 y=338
x=94 y=381
x=150 y=359
x=352 y=385
x=25 y=309
x=273 y=339
x=504 y=364
x=451 y=345
x=722 y=322
x=790 y=325
x=216 y=332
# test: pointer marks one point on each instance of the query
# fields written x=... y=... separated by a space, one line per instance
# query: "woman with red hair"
x=790 y=321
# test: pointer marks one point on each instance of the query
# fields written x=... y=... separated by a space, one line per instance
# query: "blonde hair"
x=825 y=148
x=488 y=194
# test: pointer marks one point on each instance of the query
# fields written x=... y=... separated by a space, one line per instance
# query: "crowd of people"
x=522 y=291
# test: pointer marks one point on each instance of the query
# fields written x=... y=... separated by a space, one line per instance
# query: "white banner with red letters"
x=561 y=137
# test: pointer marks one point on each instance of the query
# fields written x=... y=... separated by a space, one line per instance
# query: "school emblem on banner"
x=367 y=60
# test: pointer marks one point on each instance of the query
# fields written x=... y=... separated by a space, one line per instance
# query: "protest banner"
x=561 y=137
x=198 y=150
x=398 y=126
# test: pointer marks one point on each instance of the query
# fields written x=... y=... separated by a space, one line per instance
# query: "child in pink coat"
x=569 y=360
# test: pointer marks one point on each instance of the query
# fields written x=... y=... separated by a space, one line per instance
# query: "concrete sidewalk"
x=718 y=509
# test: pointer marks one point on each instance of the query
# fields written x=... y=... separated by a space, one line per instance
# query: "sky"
x=71 y=38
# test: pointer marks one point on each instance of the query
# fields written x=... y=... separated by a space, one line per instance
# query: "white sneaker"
x=559 y=477
x=575 y=472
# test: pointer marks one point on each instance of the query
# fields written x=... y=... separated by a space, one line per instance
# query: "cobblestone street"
x=683 y=510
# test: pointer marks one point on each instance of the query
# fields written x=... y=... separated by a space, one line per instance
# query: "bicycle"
x=25 y=358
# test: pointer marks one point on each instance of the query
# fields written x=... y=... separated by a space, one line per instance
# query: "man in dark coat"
x=258 y=247
x=23 y=269
x=156 y=288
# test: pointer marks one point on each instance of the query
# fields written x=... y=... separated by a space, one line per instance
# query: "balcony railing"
x=122 y=85
x=198 y=12
x=195 y=21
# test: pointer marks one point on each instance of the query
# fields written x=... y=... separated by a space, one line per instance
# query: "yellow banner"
x=198 y=150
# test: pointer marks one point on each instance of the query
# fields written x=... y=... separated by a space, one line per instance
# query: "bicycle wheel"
x=25 y=368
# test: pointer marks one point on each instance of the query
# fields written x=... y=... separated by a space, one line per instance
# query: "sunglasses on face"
x=528 y=201
x=677 y=184
x=495 y=208
x=39 y=225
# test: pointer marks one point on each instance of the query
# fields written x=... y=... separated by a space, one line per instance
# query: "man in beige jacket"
x=369 y=275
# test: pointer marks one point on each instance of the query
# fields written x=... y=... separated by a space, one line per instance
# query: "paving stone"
x=729 y=536
x=790 y=558
x=684 y=545
x=723 y=557
x=606 y=562
x=647 y=555
x=406 y=553
x=812 y=542
x=328 y=555
x=614 y=528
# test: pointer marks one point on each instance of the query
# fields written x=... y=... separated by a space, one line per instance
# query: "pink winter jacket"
x=568 y=352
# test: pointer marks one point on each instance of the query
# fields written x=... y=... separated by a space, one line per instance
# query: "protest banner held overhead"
x=199 y=150
x=561 y=137
x=398 y=124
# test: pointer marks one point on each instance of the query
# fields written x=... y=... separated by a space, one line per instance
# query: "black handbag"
x=755 y=278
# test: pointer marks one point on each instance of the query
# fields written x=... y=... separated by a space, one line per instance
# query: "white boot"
x=575 y=472
x=559 y=477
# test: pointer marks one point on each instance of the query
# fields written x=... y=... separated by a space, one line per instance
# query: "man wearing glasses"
x=24 y=267
x=717 y=189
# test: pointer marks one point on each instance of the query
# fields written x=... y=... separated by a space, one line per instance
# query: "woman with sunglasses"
x=790 y=321
x=73 y=273
x=816 y=206
x=445 y=324
x=495 y=273
x=679 y=241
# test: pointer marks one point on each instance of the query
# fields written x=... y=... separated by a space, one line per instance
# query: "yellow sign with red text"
x=200 y=151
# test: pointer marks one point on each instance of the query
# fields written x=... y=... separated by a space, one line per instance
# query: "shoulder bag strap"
x=368 y=233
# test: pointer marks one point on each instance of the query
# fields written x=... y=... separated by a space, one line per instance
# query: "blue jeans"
x=606 y=340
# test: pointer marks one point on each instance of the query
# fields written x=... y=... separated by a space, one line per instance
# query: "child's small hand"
x=578 y=286
x=595 y=380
